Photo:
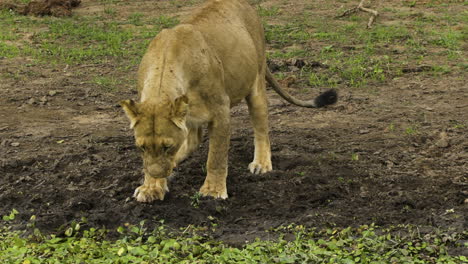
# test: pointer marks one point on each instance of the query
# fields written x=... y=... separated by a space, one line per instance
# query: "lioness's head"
x=160 y=130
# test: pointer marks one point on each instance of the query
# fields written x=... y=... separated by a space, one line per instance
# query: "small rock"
x=389 y=163
x=275 y=65
x=97 y=157
x=101 y=107
x=72 y=187
x=31 y=101
x=363 y=192
x=43 y=99
x=15 y=144
x=364 y=131
x=87 y=92
x=429 y=108
x=52 y=92
x=299 y=63
x=398 y=50
x=443 y=142
x=466 y=201
x=85 y=161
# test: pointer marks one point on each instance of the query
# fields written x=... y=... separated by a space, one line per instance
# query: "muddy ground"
x=67 y=152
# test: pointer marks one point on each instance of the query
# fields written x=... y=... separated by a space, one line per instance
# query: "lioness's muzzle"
x=158 y=171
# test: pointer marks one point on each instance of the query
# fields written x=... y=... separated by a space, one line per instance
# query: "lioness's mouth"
x=157 y=176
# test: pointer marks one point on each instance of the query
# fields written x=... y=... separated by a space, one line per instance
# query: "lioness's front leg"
x=219 y=135
x=152 y=189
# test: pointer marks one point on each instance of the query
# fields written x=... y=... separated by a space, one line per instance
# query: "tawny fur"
x=190 y=76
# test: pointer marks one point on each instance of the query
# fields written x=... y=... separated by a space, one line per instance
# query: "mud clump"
x=58 y=8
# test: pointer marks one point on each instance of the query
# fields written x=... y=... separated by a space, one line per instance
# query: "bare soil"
x=67 y=152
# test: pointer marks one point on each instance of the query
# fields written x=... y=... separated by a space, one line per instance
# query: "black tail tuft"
x=327 y=98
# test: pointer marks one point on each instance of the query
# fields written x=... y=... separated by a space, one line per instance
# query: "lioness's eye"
x=166 y=148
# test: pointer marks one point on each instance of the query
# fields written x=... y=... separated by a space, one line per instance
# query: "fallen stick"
x=361 y=7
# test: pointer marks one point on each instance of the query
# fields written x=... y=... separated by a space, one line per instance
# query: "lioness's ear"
x=180 y=108
x=179 y=111
x=131 y=110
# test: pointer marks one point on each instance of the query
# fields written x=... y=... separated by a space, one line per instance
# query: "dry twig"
x=361 y=7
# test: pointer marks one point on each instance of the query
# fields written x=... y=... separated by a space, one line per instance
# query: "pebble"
x=52 y=92
x=31 y=101
x=15 y=144
x=443 y=142
x=364 y=131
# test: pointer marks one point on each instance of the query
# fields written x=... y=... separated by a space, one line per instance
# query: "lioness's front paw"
x=256 y=167
x=147 y=194
x=213 y=190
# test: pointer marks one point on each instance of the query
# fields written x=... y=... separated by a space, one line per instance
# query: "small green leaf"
x=120 y=229
x=121 y=251
x=69 y=231
x=151 y=239
x=135 y=229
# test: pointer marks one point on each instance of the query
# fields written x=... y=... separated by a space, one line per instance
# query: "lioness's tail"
x=327 y=98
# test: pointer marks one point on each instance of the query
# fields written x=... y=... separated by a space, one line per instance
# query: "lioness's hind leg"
x=152 y=189
x=258 y=109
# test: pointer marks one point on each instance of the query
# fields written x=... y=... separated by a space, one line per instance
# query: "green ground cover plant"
x=291 y=244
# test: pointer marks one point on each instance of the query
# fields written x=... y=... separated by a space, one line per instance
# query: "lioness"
x=191 y=75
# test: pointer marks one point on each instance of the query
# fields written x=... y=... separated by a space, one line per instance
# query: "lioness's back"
x=233 y=30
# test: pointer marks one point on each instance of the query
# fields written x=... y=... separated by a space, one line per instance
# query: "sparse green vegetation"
x=94 y=39
x=411 y=130
x=164 y=21
x=357 y=56
x=268 y=12
x=136 y=244
x=136 y=19
x=80 y=39
x=8 y=51
x=457 y=125
x=108 y=84
x=195 y=199
x=110 y=11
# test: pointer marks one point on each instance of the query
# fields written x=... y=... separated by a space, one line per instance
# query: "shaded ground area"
x=57 y=8
x=392 y=153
